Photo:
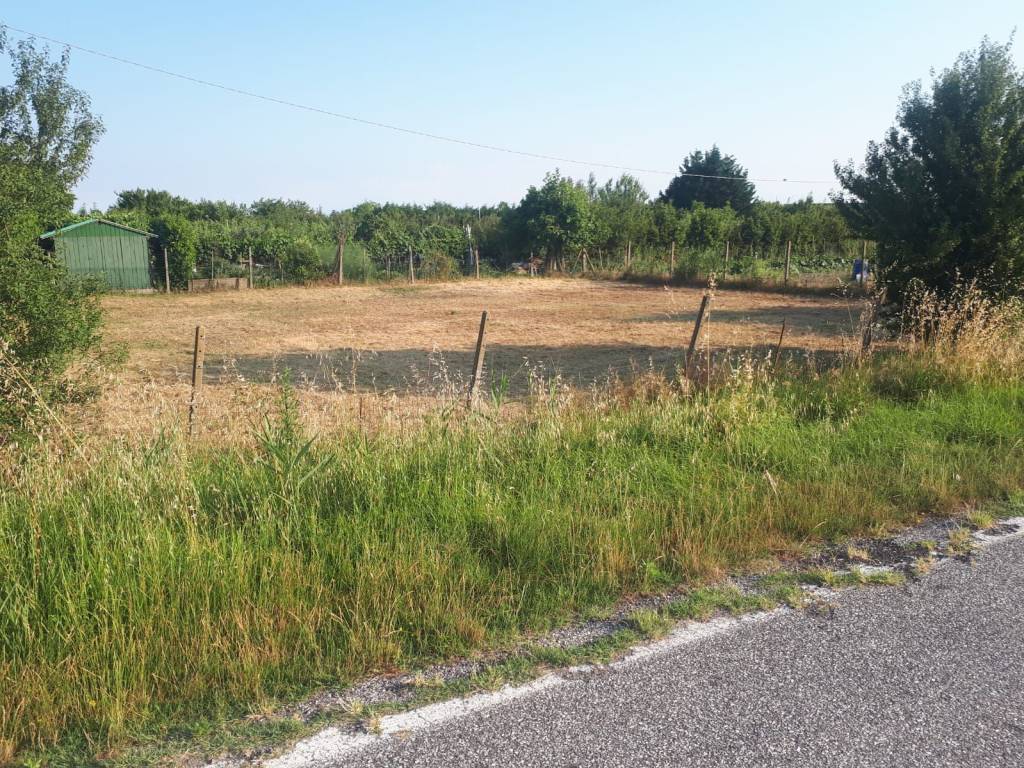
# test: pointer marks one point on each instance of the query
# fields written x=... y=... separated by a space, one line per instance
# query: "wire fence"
x=799 y=265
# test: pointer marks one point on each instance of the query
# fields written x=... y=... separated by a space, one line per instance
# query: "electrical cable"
x=397 y=128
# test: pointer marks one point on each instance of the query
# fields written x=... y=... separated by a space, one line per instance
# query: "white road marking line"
x=692 y=632
x=331 y=744
x=988 y=538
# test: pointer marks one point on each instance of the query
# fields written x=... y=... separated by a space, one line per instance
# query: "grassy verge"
x=141 y=587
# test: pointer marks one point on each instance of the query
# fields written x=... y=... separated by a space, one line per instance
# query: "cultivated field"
x=373 y=352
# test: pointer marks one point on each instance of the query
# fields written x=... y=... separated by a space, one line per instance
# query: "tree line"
x=555 y=220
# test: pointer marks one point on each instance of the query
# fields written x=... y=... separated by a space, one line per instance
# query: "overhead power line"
x=389 y=126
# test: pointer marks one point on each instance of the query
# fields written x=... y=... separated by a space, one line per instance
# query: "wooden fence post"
x=476 y=261
x=672 y=260
x=198 y=362
x=778 y=346
x=252 y=284
x=478 y=363
x=412 y=272
x=707 y=337
x=691 y=350
x=867 y=338
x=167 y=273
x=789 y=253
x=341 y=258
x=727 y=244
x=584 y=261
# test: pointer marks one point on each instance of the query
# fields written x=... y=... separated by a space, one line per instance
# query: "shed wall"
x=118 y=257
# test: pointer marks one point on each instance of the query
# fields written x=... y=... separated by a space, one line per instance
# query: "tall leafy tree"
x=667 y=225
x=621 y=211
x=46 y=316
x=31 y=201
x=711 y=227
x=153 y=203
x=387 y=234
x=44 y=121
x=179 y=237
x=556 y=218
x=46 y=138
x=943 y=192
x=711 y=178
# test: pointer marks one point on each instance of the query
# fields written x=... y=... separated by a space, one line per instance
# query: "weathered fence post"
x=691 y=350
x=167 y=273
x=672 y=260
x=789 y=253
x=476 y=261
x=867 y=338
x=727 y=244
x=252 y=284
x=864 y=271
x=707 y=337
x=198 y=361
x=341 y=258
x=778 y=346
x=478 y=363
x=412 y=272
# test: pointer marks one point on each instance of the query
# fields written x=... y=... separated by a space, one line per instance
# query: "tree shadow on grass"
x=823 y=285
x=831 y=322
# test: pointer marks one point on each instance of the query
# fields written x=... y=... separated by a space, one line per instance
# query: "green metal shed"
x=116 y=254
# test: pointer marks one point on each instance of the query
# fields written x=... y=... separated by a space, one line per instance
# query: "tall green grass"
x=164 y=583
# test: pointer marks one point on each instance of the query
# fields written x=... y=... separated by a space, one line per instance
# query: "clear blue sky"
x=786 y=87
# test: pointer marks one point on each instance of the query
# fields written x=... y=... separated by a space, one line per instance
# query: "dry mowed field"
x=356 y=350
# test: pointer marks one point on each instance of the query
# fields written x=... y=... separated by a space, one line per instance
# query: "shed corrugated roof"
x=61 y=230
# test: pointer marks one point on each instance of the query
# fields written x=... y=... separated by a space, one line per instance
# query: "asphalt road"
x=931 y=674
